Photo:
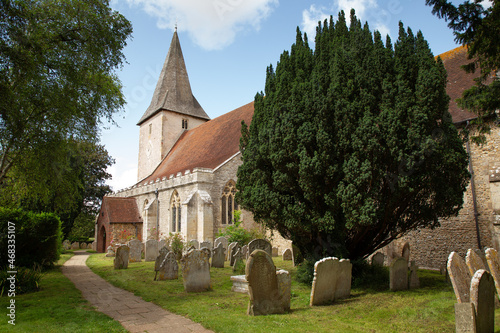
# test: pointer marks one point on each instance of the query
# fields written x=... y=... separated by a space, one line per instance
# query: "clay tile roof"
x=206 y=146
x=458 y=82
x=121 y=210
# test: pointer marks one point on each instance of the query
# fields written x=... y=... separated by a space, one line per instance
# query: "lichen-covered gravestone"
x=218 y=256
x=135 y=246
x=206 y=244
x=405 y=251
x=151 y=250
x=482 y=295
x=159 y=260
x=494 y=264
x=110 y=252
x=196 y=271
x=260 y=273
x=378 y=259
x=414 y=280
x=459 y=276
x=230 y=251
x=234 y=250
x=287 y=254
x=474 y=262
x=195 y=243
x=169 y=269
x=75 y=246
x=398 y=274
x=222 y=240
x=238 y=264
x=324 y=283
x=344 y=279
x=260 y=244
x=121 y=257
x=284 y=288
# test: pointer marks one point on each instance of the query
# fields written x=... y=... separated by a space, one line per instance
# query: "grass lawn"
x=57 y=307
x=428 y=309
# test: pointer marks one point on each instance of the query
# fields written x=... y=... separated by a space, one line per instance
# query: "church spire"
x=173 y=90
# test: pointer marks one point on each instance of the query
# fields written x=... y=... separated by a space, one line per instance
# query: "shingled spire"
x=173 y=91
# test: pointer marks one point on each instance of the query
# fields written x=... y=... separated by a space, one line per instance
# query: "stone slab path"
x=135 y=314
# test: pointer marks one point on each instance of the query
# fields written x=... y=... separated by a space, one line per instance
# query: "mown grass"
x=428 y=309
x=57 y=307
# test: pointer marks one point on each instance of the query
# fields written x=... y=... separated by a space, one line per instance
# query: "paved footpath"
x=135 y=314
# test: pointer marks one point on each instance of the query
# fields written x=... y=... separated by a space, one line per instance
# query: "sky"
x=227 y=46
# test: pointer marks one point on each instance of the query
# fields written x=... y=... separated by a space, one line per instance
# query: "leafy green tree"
x=57 y=75
x=352 y=144
x=477 y=27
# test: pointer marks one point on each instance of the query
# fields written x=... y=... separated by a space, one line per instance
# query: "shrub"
x=26 y=280
x=236 y=233
x=176 y=243
x=369 y=276
x=37 y=237
x=305 y=272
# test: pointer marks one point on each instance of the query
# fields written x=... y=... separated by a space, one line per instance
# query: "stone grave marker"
x=378 y=259
x=474 y=262
x=398 y=274
x=325 y=281
x=75 y=246
x=234 y=250
x=343 y=285
x=206 y=244
x=482 y=295
x=275 y=251
x=195 y=243
x=159 y=260
x=238 y=264
x=494 y=264
x=151 y=251
x=121 y=257
x=135 y=246
x=405 y=251
x=459 y=276
x=208 y=252
x=414 y=280
x=287 y=254
x=284 y=288
x=218 y=256
x=224 y=242
x=110 y=252
x=229 y=250
x=169 y=269
x=162 y=243
x=83 y=245
x=240 y=284
x=66 y=244
x=244 y=251
x=263 y=292
x=465 y=318
x=196 y=271
x=260 y=244
x=94 y=245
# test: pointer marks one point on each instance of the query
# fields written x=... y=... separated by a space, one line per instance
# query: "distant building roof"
x=121 y=210
x=173 y=90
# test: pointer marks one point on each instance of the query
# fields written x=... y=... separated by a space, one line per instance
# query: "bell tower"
x=173 y=110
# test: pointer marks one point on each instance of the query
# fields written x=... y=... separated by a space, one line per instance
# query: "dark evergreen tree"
x=352 y=145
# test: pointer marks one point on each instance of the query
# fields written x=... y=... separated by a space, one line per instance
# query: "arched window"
x=228 y=204
x=175 y=207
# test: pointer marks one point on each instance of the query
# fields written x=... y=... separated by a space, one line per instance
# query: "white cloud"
x=123 y=175
x=311 y=17
x=212 y=24
x=487 y=3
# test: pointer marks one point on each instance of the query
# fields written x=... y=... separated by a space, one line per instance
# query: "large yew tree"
x=352 y=145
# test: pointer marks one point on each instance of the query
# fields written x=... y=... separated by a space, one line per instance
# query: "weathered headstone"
x=110 y=252
x=83 y=245
x=482 y=295
x=494 y=264
x=284 y=288
x=287 y=254
x=169 y=269
x=159 y=260
x=260 y=273
x=465 y=318
x=414 y=280
x=218 y=256
x=194 y=243
x=238 y=264
x=196 y=271
x=135 y=246
x=234 y=250
x=162 y=243
x=208 y=252
x=75 y=246
x=459 y=276
x=378 y=259
x=343 y=285
x=325 y=279
x=121 y=257
x=66 y=244
x=151 y=251
x=244 y=251
x=206 y=244
x=405 y=251
x=94 y=245
x=222 y=240
x=260 y=244
x=240 y=284
x=398 y=274
x=230 y=250
x=474 y=262
x=275 y=251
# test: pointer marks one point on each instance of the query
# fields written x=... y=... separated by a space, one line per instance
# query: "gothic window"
x=150 y=128
x=175 y=207
x=184 y=123
x=228 y=204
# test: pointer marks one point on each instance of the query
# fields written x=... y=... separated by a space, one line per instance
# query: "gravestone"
x=238 y=264
x=208 y=252
x=482 y=295
x=110 y=252
x=229 y=250
x=240 y=284
x=260 y=244
x=83 y=245
x=75 y=246
x=474 y=262
x=195 y=243
x=222 y=240
x=378 y=259
x=151 y=251
x=494 y=264
x=398 y=274
x=121 y=257
x=94 y=245
x=284 y=288
x=414 y=280
x=218 y=256
x=244 y=251
x=324 y=282
x=459 y=276
x=405 y=252
x=135 y=246
x=465 y=318
x=263 y=292
x=343 y=286
x=169 y=269
x=287 y=254
x=159 y=260
x=234 y=250
x=206 y=244
x=66 y=244
x=162 y=243
x=275 y=251
x=196 y=271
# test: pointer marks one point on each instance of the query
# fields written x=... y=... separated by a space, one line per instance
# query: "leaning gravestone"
x=260 y=244
x=474 y=262
x=121 y=257
x=482 y=295
x=494 y=264
x=230 y=250
x=196 y=271
x=169 y=269
x=159 y=260
x=135 y=246
x=414 y=280
x=325 y=281
x=110 y=252
x=378 y=259
x=218 y=256
x=398 y=274
x=343 y=285
x=260 y=273
x=287 y=254
x=234 y=250
x=459 y=276
x=151 y=252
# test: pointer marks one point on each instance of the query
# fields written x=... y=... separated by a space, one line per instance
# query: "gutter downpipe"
x=473 y=189
x=157 y=216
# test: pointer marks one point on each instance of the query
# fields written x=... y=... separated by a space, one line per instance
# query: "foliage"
x=176 y=243
x=368 y=276
x=26 y=280
x=305 y=272
x=477 y=27
x=37 y=238
x=237 y=233
x=352 y=145
x=83 y=227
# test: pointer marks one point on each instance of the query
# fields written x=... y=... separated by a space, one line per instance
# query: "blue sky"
x=227 y=46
